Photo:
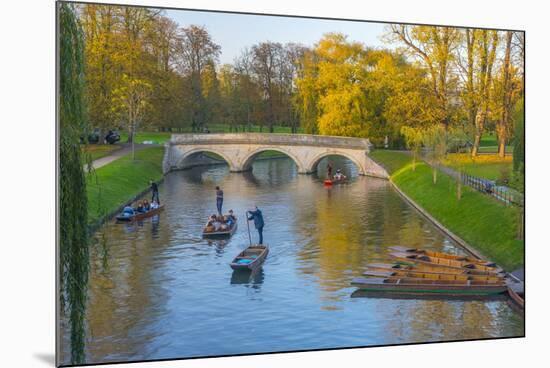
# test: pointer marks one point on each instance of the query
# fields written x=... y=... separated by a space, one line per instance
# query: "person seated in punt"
x=154 y=205
x=230 y=219
x=214 y=223
x=128 y=211
x=140 y=208
x=339 y=175
x=146 y=205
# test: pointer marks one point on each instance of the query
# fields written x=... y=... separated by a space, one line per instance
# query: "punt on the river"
x=430 y=253
x=397 y=274
x=444 y=263
x=140 y=216
x=414 y=286
x=251 y=258
x=220 y=233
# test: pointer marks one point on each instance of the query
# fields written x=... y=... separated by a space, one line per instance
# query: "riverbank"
x=487 y=225
x=121 y=181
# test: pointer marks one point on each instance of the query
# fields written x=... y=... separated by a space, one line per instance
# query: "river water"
x=158 y=290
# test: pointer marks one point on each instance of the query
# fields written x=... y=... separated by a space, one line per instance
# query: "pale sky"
x=233 y=32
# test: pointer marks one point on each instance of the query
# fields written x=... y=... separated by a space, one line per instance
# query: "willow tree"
x=73 y=210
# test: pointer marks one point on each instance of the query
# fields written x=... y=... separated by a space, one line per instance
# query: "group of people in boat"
x=221 y=222
x=142 y=207
x=338 y=176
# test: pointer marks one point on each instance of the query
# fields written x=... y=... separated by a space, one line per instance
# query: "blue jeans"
x=219 y=203
x=261 y=234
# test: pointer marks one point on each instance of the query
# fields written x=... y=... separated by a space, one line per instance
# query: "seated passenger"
x=128 y=211
x=154 y=205
x=231 y=219
x=140 y=208
x=146 y=205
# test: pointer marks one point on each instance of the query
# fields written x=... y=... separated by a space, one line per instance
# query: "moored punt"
x=138 y=216
x=517 y=295
x=423 y=286
x=251 y=258
x=443 y=262
x=431 y=275
x=220 y=233
x=430 y=253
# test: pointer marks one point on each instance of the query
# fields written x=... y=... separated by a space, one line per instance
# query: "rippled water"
x=158 y=290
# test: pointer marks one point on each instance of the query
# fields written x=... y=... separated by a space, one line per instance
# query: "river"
x=158 y=290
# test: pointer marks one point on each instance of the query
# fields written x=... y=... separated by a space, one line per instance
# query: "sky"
x=233 y=32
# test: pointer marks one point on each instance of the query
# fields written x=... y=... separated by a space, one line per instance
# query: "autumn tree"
x=413 y=139
x=196 y=52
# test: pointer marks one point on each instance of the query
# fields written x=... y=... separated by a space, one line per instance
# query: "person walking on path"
x=219 y=200
x=155 y=190
x=256 y=215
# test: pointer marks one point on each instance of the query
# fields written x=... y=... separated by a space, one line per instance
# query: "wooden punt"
x=424 y=268
x=430 y=275
x=517 y=296
x=430 y=253
x=139 y=216
x=424 y=286
x=219 y=234
x=443 y=262
x=251 y=258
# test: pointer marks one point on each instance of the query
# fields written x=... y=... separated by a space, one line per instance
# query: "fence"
x=503 y=194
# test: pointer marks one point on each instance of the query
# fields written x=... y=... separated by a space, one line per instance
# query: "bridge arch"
x=188 y=154
x=314 y=162
x=249 y=159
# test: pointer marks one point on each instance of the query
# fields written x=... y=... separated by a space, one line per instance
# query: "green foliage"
x=519 y=137
x=121 y=180
x=73 y=215
x=413 y=140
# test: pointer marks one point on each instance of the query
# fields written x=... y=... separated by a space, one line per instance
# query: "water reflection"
x=159 y=290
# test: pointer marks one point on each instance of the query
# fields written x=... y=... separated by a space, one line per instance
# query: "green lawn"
x=484 y=223
x=95 y=151
x=488 y=144
x=156 y=137
x=118 y=182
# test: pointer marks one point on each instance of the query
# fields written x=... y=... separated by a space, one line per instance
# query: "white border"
x=27 y=156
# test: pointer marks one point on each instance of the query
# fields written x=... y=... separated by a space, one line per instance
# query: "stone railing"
x=271 y=139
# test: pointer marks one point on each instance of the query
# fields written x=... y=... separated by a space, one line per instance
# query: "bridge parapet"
x=272 y=139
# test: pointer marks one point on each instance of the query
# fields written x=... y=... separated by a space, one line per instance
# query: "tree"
x=413 y=139
x=266 y=63
x=73 y=207
x=435 y=139
x=196 y=50
x=130 y=101
x=434 y=47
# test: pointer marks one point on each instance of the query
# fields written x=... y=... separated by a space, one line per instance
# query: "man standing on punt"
x=219 y=200
x=155 y=191
x=256 y=215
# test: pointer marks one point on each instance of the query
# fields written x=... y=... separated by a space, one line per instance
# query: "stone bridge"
x=240 y=149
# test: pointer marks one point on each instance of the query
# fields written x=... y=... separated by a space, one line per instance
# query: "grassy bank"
x=481 y=221
x=120 y=181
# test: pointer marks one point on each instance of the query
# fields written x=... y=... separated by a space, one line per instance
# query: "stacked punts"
x=419 y=272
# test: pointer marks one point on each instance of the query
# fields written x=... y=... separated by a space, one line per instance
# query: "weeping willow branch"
x=73 y=211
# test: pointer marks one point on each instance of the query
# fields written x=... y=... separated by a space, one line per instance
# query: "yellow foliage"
x=466 y=158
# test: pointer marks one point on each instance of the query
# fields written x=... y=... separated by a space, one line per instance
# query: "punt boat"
x=414 y=286
x=138 y=216
x=443 y=262
x=430 y=253
x=251 y=258
x=430 y=275
x=220 y=233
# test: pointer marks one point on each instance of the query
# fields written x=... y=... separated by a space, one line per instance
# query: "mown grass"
x=121 y=180
x=155 y=137
x=484 y=223
x=95 y=151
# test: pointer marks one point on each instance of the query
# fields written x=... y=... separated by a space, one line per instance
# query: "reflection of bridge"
x=240 y=149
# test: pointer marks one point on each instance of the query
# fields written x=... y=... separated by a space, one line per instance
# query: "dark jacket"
x=257 y=217
x=154 y=187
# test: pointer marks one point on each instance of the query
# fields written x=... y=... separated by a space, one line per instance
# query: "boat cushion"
x=244 y=261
